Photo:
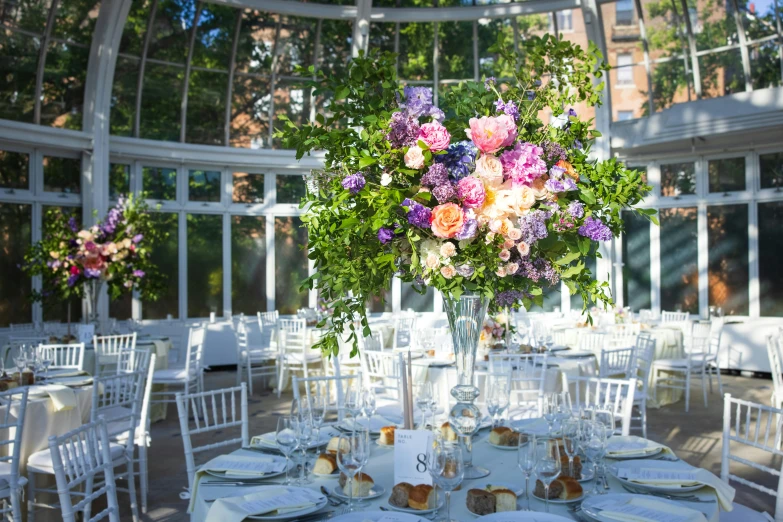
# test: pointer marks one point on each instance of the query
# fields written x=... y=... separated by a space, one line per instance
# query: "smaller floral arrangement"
x=494 y=331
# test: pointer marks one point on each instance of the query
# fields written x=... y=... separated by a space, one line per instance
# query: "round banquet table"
x=381 y=468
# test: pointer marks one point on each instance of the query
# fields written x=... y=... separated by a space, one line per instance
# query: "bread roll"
x=333 y=443
x=399 y=495
x=571 y=489
x=344 y=478
x=325 y=464
x=577 y=475
x=449 y=435
x=387 y=436
x=499 y=436
x=505 y=500
x=555 y=488
x=422 y=497
x=481 y=502
x=361 y=485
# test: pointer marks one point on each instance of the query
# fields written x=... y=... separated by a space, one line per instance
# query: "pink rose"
x=435 y=136
x=471 y=192
x=523 y=249
x=487 y=133
x=512 y=268
x=448 y=271
x=511 y=128
x=504 y=255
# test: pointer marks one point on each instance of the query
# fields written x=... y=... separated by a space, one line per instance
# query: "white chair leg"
x=143 y=476
x=16 y=505
x=720 y=382
x=281 y=381
x=250 y=376
x=239 y=371
x=687 y=390
x=655 y=384
x=132 y=489
x=30 y=496
x=88 y=485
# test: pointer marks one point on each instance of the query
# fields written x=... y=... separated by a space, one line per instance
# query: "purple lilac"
x=553 y=151
x=139 y=273
x=490 y=82
x=72 y=279
x=533 y=226
x=459 y=159
x=445 y=193
x=403 y=130
x=595 y=229
x=385 y=235
x=112 y=220
x=137 y=238
x=469 y=229
x=418 y=101
x=354 y=183
x=537 y=270
x=437 y=174
x=509 y=108
x=576 y=209
x=418 y=214
x=73 y=225
x=509 y=298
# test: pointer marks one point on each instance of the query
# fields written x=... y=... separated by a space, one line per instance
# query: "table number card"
x=410 y=456
x=85 y=332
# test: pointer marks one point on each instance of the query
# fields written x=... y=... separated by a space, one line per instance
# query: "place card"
x=85 y=333
x=410 y=456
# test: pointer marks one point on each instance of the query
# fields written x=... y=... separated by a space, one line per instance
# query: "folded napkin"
x=633 y=445
x=240 y=465
x=275 y=501
x=63 y=397
x=657 y=476
x=639 y=509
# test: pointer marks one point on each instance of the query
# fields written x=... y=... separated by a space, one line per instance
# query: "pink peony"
x=523 y=164
x=435 y=136
x=511 y=128
x=487 y=133
x=471 y=192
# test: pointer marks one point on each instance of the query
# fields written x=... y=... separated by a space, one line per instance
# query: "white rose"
x=489 y=169
x=385 y=179
x=432 y=261
x=523 y=249
x=522 y=198
x=448 y=271
x=414 y=158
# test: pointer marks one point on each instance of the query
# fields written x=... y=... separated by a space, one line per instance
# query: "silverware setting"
x=682 y=498
x=331 y=498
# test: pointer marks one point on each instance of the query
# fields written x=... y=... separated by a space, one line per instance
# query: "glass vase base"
x=476 y=472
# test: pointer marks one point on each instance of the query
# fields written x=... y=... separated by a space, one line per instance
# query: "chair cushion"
x=172 y=374
x=262 y=355
x=41 y=461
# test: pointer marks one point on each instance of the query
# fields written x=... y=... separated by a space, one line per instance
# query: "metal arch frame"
x=183 y=118
x=39 y=73
x=142 y=70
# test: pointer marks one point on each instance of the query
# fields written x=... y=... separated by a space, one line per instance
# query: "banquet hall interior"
x=189 y=376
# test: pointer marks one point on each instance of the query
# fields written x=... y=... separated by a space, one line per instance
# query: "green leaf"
x=366 y=161
x=341 y=93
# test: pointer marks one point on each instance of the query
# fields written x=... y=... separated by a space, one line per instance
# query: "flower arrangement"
x=116 y=251
x=489 y=200
x=494 y=330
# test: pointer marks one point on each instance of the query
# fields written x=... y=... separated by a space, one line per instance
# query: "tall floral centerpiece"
x=77 y=262
x=481 y=199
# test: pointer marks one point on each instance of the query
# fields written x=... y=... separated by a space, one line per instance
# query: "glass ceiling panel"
x=135 y=28
x=215 y=36
x=63 y=85
x=29 y=15
x=18 y=61
x=171 y=30
x=75 y=20
x=336 y=41
x=123 y=96
x=161 y=102
x=295 y=44
x=713 y=23
x=455 y=50
x=256 y=40
x=758 y=18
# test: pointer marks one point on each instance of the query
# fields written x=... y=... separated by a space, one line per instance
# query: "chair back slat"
x=63 y=356
x=613 y=395
x=592 y=342
x=322 y=387
x=774 y=347
x=382 y=371
x=108 y=349
x=617 y=363
x=674 y=317
x=528 y=379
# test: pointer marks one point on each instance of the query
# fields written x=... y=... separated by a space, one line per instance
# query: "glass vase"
x=92 y=291
x=466 y=318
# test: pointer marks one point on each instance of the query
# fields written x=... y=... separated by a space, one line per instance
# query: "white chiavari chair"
x=560 y=337
x=382 y=371
x=267 y=327
x=646 y=315
x=712 y=358
x=108 y=348
x=528 y=380
x=674 y=317
x=592 y=342
x=16 y=341
x=677 y=373
x=63 y=356
x=776 y=368
x=617 y=362
x=613 y=395
x=254 y=361
x=177 y=332
x=645 y=353
x=331 y=388
x=748 y=425
x=81 y=458
x=12 y=427
x=404 y=328
x=207 y=413
x=296 y=355
x=190 y=378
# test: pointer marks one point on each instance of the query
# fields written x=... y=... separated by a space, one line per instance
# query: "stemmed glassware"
x=526 y=460
x=423 y=400
x=368 y=402
x=570 y=431
x=353 y=402
x=548 y=465
x=551 y=409
x=20 y=360
x=318 y=408
x=594 y=445
x=351 y=458
x=306 y=432
x=497 y=397
x=286 y=439
x=447 y=467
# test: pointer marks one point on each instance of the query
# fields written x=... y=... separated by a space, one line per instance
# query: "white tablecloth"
x=381 y=469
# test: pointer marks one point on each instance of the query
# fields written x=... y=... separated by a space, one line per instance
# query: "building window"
x=727 y=233
x=565 y=20
x=678 y=179
x=679 y=259
x=623 y=12
x=770 y=275
x=726 y=175
x=624 y=69
x=624 y=115
x=636 y=261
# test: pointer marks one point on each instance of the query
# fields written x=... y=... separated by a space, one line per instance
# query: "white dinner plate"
x=294 y=515
x=657 y=464
x=522 y=516
x=376 y=423
x=374 y=516
x=77 y=380
x=641 y=454
x=560 y=501
x=249 y=478
x=504 y=448
x=378 y=442
x=376 y=491
x=417 y=511
x=589 y=509
x=267 y=440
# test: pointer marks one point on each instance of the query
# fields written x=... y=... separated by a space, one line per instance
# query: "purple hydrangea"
x=385 y=235
x=533 y=226
x=576 y=209
x=595 y=229
x=469 y=229
x=444 y=193
x=553 y=152
x=92 y=273
x=73 y=225
x=72 y=279
x=354 y=182
x=509 y=298
x=459 y=159
x=437 y=174
x=403 y=130
x=418 y=214
x=509 y=108
x=418 y=102
x=490 y=82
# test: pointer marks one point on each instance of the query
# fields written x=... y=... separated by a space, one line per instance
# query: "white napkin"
x=638 y=509
x=680 y=477
x=269 y=439
x=63 y=397
x=633 y=445
x=243 y=465
x=277 y=501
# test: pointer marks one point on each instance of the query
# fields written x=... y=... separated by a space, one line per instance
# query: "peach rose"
x=504 y=255
x=515 y=234
x=448 y=271
x=512 y=268
x=489 y=169
x=569 y=169
x=448 y=249
x=508 y=243
x=432 y=261
x=501 y=271
x=447 y=220
x=414 y=158
x=523 y=249
x=522 y=198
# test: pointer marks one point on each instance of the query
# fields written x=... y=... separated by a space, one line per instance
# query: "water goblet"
x=595 y=449
x=492 y=403
x=318 y=407
x=350 y=459
x=369 y=402
x=526 y=460
x=570 y=431
x=305 y=432
x=423 y=399
x=447 y=467
x=286 y=439
x=548 y=465
x=551 y=409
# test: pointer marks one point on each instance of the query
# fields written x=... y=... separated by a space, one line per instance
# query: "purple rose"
x=354 y=182
x=385 y=235
x=92 y=273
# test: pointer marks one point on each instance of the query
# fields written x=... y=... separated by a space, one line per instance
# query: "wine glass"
x=286 y=439
x=447 y=469
x=606 y=418
x=570 y=431
x=350 y=458
x=502 y=387
x=368 y=402
x=46 y=358
x=551 y=409
x=548 y=464
x=492 y=402
x=318 y=407
x=526 y=460
x=353 y=402
x=423 y=399
x=364 y=434
x=305 y=431
x=594 y=444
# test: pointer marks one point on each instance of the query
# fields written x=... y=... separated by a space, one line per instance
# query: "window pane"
x=58 y=311
x=293 y=101
x=119 y=180
x=173 y=24
x=135 y=28
x=410 y=299
x=290 y=264
x=679 y=260
x=765 y=65
x=335 y=52
x=455 y=56
x=727 y=175
x=492 y=64
x=771 y=167
x=770 y=274
x=250 y=112
x=205 y=265
x=14 y=170
x=728 y=258
x=624 y=12
x=636 y=261
x=377 y=307
x=123 y=96
x=26 y=15
x=256 y=38
x=62 y=174
x=290 y=189
x=416 y=44
x=248 y=188
x=19 y=62
x=159 y=182
x=248 y=264
x=63 y=85
x=215 y=36
x=678 y=179
x=721 y=73
x=165 y=257
x=206 y=108
x=75 y=20
x=203 y=185
x=161 y=102
x=15 y=238
x=296 y=44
